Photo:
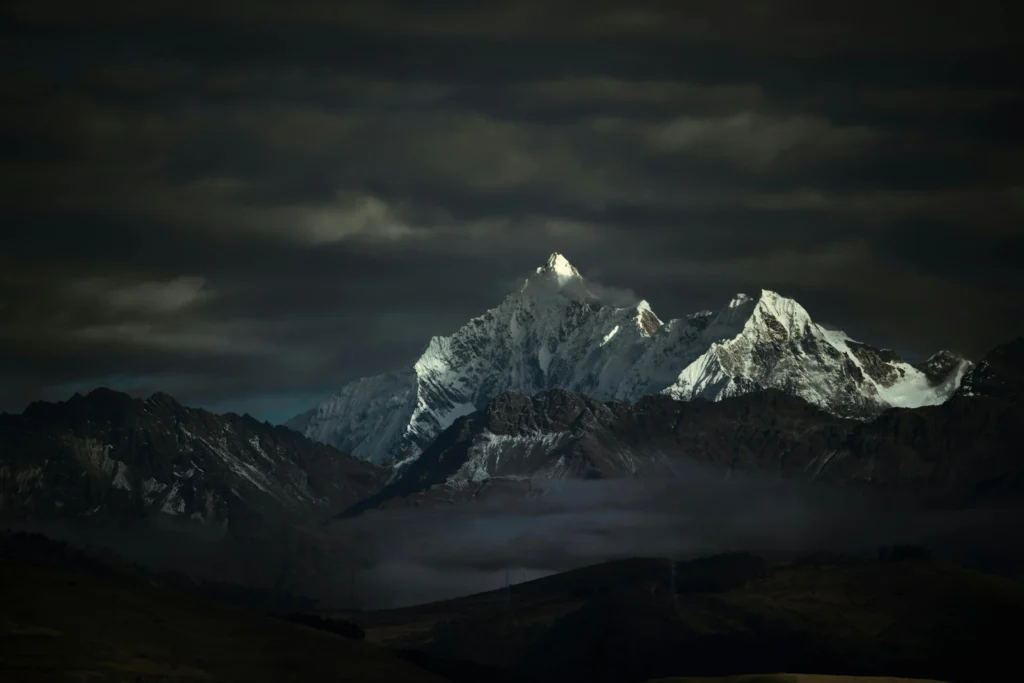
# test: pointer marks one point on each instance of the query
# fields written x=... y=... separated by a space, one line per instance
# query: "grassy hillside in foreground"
x=64 y=625
x=906 y=616
x=794 y=678
x=64 y=617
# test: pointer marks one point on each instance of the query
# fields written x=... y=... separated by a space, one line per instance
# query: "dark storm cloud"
x=875 y=26
x=247 y=204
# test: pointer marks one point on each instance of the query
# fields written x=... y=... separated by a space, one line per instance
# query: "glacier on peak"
x=555 y=332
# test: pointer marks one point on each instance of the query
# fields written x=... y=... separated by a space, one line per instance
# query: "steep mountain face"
x=564 y=435
x=555 y=332
x=966 y=447
x=107 y=455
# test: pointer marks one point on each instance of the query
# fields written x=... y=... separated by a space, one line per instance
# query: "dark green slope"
x=894 y=616
x=65 y=617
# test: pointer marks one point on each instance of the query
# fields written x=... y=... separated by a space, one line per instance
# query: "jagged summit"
x=555 y=333
x=559 y=266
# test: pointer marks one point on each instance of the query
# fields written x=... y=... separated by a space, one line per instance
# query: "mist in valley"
x=409 y=556
x=398 y=557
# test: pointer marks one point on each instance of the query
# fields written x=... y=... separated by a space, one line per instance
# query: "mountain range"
x=964 y=450
x=225 y=499
x=552 y=384
x=557 y=332
x=108 y=455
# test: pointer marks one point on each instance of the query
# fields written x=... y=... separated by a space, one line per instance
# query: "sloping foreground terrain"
x=794 y=678
x=898 y=614
x=71 y=619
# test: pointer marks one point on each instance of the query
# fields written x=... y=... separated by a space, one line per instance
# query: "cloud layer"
x=247 y=205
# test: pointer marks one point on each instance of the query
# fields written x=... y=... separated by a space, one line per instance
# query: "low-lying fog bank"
x=407 y=556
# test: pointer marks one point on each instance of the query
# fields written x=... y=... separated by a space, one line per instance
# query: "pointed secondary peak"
x=560 y=266
x=644 y=310
x=774 y=309
x=646 y=318
x=766 y=308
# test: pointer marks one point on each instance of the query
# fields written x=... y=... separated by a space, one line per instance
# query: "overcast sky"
x=246 y=204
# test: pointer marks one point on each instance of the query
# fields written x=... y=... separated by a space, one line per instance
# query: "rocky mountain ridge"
x=107 y=455
x=968 y=447
x=555 y=332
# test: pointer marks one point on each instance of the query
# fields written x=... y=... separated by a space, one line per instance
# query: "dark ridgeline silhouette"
x=736 y=614
x=904 y=553
x=337 y=626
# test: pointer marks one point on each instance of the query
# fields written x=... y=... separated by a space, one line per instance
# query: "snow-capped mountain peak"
x=559 y=279
x=559 y=267
x=781 y=317
x=556 y=333
x=768 y=308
